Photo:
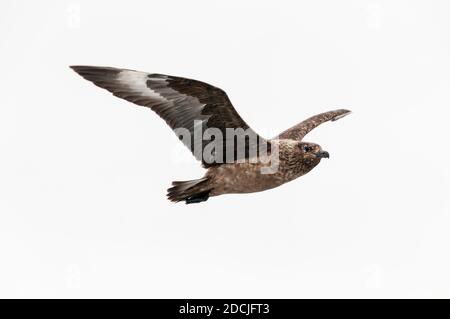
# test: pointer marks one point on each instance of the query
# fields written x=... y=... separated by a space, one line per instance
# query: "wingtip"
x=95 y=74
x=341 y=113
x=79 y=68
x=91 y=67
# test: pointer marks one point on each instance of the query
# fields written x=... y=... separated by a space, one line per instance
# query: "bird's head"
x=312 y=153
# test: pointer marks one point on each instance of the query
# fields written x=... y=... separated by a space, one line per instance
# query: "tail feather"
x=193 y=191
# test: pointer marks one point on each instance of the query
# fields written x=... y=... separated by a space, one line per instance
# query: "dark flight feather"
x=298 y=132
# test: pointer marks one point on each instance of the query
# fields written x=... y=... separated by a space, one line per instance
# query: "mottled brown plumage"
x=181 y=102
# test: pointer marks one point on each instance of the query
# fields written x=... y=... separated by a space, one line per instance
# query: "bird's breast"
x=248 y=177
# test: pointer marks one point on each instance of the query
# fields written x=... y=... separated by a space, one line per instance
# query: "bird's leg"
x=198 y=198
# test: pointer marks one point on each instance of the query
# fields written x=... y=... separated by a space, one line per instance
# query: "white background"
x=83 y=175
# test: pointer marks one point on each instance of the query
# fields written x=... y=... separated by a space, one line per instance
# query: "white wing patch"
x=137 y=83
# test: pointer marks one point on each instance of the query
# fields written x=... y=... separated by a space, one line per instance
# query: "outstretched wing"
x=299 y=131
x=182 y=103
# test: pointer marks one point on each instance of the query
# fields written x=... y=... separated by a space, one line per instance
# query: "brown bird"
x=242 y=162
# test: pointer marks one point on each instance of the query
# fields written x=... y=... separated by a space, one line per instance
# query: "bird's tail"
x=194 y=191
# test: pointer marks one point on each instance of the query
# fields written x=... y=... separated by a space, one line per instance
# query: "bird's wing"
x=179 y=102
x=297 y=132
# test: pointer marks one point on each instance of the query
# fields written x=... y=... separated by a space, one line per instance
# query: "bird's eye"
x=307 y=148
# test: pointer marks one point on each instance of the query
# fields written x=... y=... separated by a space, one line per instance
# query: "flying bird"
x=232 y=167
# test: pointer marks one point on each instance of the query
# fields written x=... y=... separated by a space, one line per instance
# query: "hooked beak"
x=323 y=154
